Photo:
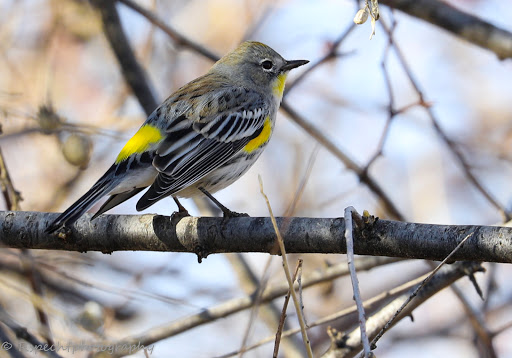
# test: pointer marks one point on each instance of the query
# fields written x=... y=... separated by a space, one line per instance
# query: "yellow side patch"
x=140 y=142
x=278 y=87
x=261 y=139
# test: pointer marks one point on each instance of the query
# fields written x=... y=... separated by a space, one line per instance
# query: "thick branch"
x=466 y=26
x=207 y=235
x=132 y=71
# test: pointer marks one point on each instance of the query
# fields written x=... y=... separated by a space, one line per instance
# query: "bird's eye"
x=267 y=65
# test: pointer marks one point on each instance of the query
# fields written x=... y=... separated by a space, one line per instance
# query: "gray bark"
x=206 y=235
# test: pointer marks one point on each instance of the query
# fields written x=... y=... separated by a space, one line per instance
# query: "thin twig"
x=269 y=312
x=8 y=346
x=374 y=301
x=353 y=277
x=482 y=332
x=466 y=167
x=301 y=301
x=283 y=313
x=332 y=147
x=175 y=35
x=12 y=198
x=296 y=302
x=33 y=276
x=290 y=211
x=502 y=329
x=411 y=297
x=348 y=345
x=330 y=55
x=461 y=24
x=254 y=310
x=491 y=285
x=391 y=106
x=22 y=333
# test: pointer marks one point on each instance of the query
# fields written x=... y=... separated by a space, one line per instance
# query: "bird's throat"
x=278 y=87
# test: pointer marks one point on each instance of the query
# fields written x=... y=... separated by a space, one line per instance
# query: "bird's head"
x=259 y=66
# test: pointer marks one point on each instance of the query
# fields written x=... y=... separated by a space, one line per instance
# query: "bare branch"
x=483 y=336
x=459 y=156
x=132 y=71
x=365 y=178
x=208 y=235
x=286 y=267
x=22 y=333
x=175 y=35
x=349 y=345
x=11 y=196
x=283 y=312
x=236 y=305
x=349 y=237
x=7 y=345
x=370 y=304
x=415 y=292
x=461 y=24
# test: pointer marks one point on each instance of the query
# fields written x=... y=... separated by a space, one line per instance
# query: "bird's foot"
x=233 y=214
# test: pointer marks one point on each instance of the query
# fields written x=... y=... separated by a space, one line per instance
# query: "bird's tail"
x=102 y=187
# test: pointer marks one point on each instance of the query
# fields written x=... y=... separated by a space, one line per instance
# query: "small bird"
x=201 y=139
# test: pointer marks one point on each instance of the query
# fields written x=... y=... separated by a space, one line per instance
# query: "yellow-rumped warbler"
x=203 y=138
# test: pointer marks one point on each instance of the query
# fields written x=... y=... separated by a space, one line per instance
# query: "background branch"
x=350 y=344
x=461 y=24
x=130 y=68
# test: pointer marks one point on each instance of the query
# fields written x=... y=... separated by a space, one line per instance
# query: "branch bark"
x=207 y=235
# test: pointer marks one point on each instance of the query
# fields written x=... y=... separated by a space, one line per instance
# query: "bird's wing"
x=200 y=140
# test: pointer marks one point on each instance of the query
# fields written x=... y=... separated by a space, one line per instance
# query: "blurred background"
x=66 y=111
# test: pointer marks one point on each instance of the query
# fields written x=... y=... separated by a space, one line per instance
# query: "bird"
x=201 y=139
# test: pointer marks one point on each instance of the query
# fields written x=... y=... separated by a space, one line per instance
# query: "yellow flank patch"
x=278 y=87
x=140 y=142
x=261 y=139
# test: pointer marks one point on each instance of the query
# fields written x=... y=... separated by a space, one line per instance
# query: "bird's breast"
x=262 y=138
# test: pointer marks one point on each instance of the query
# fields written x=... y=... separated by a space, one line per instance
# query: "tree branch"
x=348 y=345
x=171 y=32
x=236 y=305
x=363 y=175
x=207 y=235
x=132 y=71
x=461 y=24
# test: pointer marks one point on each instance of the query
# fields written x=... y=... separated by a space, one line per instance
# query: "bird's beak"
x=293 y=64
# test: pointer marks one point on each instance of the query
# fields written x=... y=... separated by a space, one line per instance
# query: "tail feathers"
x=115 y=200
x=73 y=213
x=155 y=191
